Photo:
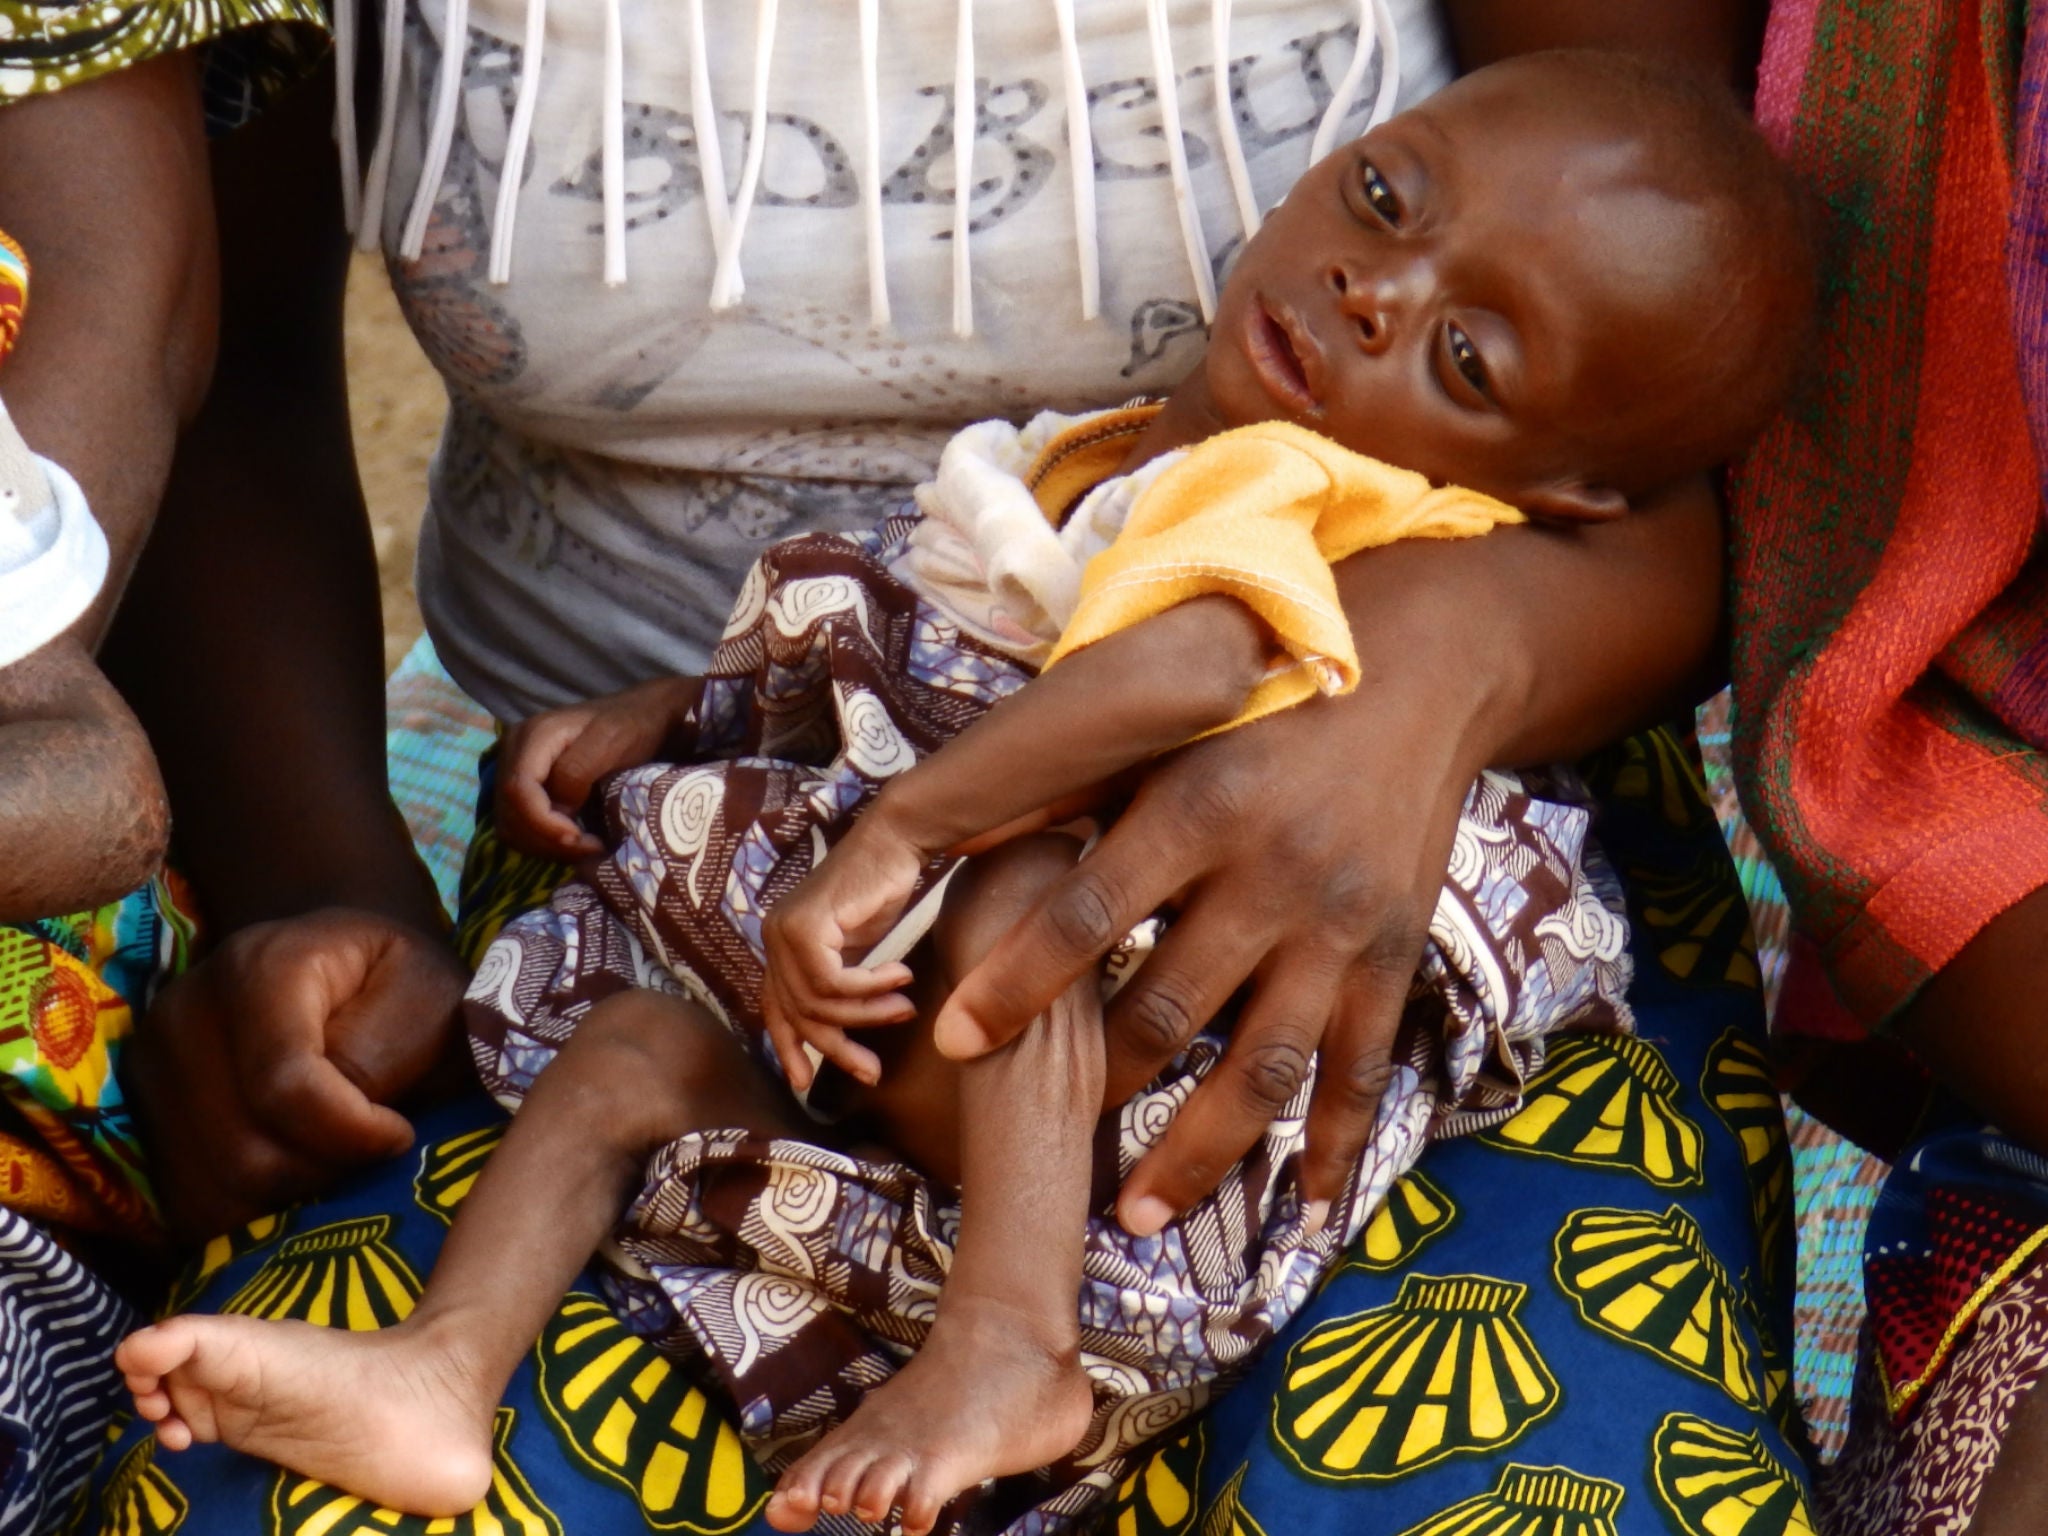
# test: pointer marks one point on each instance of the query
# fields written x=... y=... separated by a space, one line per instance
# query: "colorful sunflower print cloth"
x=71 y=1169
x=1573 y=1323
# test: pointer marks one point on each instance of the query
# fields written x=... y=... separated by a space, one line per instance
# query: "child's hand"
x=550 y=761
x=844 y=907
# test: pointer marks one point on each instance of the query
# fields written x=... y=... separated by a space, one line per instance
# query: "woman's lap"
x=1583 y=1291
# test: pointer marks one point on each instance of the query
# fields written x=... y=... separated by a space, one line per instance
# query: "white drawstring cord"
x=1226 y=123
x=441 y=133
x=963 y=168
x=1081 y=155
x=1177 y=160
x=614 y=149
x=1390 y=63
x=370 y=232
x=704 y=123
x=871 y=161
x=1376 y=36
x=726 y=286
x=512 y=172
x=345 y=113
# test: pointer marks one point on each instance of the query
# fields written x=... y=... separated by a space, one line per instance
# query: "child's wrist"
x=902 y=816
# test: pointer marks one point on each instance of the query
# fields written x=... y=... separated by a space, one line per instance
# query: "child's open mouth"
x=1279 y=354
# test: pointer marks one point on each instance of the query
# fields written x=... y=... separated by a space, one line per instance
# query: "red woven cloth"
x=1891 y=595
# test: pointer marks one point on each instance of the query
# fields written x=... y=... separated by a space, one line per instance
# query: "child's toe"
x=840 y=1481
x=922 y=1501
x=881 y=1484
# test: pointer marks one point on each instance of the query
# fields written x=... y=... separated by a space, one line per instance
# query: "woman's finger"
x=1143 y=860
x=1353 y=1071
x=1211 y=949
x=1262 y=1070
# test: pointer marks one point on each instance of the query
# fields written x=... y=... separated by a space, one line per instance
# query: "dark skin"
x=330 y=992
x=84 y=810
x=997 y=1386
x=1557 y=642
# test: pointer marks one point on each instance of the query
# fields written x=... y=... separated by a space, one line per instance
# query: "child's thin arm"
x=1105 y=709
x=82 y=811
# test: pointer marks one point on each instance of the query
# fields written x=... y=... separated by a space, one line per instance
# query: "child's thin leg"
x=403 y=1416
x=997 y=1386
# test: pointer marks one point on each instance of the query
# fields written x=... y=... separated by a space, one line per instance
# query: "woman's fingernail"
x=1146 y=1216
x=1315 y=1215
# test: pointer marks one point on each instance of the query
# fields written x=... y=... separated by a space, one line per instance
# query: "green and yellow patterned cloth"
x=253 y=48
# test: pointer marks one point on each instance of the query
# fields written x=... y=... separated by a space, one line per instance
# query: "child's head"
x=1566 y=280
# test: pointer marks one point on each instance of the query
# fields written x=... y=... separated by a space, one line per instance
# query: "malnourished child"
x=1560 y=284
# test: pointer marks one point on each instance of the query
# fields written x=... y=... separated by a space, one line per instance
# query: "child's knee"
x=642 y=1054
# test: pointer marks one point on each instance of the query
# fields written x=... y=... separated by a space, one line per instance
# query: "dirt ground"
x=397 y=405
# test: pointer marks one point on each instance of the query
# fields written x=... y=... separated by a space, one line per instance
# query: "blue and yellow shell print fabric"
x=1571 y=1324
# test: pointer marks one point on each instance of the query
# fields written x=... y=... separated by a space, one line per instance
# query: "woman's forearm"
x=251 y=643
x=1547 y=643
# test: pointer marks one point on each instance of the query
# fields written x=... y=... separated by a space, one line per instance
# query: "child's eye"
x=1378 y=195
x=1465 y=358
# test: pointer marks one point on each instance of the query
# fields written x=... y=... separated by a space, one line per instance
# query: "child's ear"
x=1573 y=501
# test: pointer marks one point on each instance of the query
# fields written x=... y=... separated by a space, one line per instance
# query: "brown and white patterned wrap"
x=805 y=1275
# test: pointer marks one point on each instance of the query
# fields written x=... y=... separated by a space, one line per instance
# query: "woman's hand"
x=269 y=1068
x=1305 y=852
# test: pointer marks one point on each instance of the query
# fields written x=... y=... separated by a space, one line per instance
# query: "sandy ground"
x=397 y=405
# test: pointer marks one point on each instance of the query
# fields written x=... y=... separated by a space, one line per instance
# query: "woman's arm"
x=1307 y=850
x=250 y=645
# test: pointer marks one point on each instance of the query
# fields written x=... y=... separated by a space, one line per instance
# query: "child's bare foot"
x=989 y=1394
x=389 y=1416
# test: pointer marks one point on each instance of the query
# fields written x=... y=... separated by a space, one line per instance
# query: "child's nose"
x=1368 y=303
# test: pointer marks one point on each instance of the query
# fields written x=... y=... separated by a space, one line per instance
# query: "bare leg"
x=402 y=1417
x=997 y=1386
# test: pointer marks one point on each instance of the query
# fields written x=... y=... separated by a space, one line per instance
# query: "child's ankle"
x=1054 y=1332
x=453 y=1341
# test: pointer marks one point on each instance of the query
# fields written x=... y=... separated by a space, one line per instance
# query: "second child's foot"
x=384 y=1415
x=986 y=1396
